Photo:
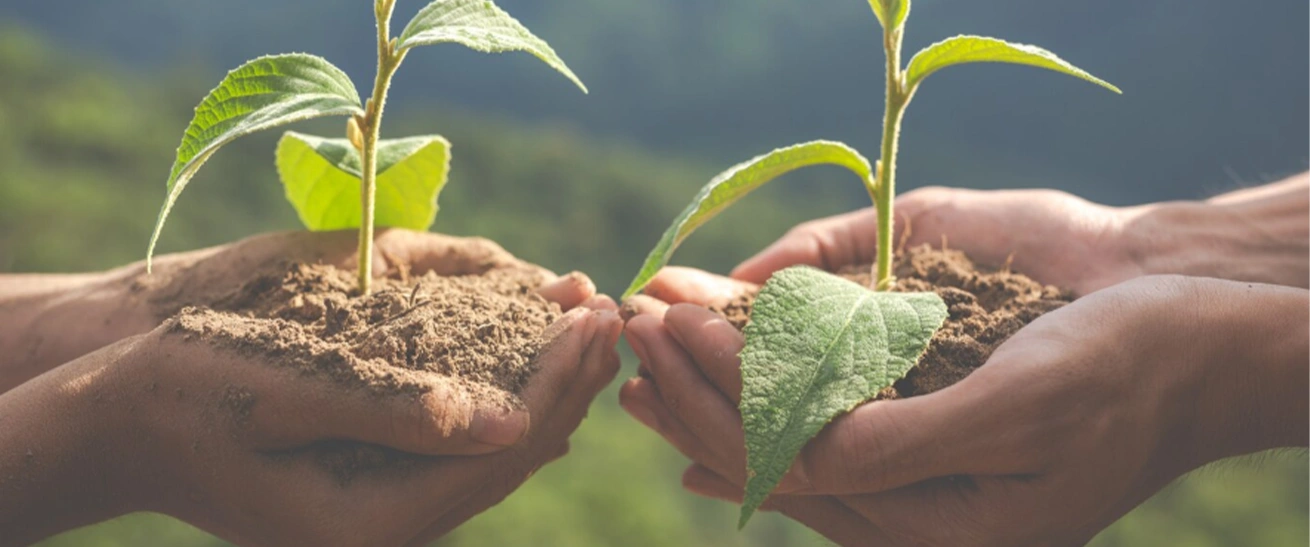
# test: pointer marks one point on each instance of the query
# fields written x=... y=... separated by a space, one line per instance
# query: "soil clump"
x=986 y=307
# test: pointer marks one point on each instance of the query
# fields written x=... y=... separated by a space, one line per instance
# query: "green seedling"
x=396 y=181
x=818 y=345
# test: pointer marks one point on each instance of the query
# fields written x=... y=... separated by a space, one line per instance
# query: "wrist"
x=59 y=449
x=1247 y=361
x=1263 y=242
x=49 y=320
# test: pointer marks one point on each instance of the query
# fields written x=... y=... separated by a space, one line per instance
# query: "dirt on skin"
x=479 y=332
x=986 y=307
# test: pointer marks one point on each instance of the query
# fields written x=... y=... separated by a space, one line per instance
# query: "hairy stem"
x=885 y=187
x=388 y=61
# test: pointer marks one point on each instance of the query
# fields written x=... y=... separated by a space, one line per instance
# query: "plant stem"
x=885 y=187
x=388 y=61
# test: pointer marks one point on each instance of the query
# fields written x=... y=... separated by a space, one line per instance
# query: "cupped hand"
x=245 y=449
x=1070 y=424
x=1053 y=237
x=104 y=309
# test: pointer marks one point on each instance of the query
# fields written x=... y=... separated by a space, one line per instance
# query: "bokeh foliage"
x=84 y=152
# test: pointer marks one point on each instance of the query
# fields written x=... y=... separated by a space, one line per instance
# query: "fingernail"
x=498 y=429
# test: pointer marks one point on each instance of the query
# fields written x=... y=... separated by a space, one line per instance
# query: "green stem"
x=388 y=61
x=885 y=188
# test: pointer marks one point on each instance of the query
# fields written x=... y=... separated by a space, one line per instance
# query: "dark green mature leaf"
x=322 y=180
x=481 y=25
x=818 y=346
x=261 y=94
x=735 y=183
x=978 y=49
x=891 y=13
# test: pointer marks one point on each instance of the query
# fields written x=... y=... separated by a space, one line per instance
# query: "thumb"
x=829 y=244
x=448 y=418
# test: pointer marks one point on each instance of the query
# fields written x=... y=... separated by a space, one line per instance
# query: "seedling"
x=397 y=181
x=818 y=345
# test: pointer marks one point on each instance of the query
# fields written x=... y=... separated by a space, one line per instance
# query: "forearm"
x=1258 y=234
x=1255 y=365
x=57 y=470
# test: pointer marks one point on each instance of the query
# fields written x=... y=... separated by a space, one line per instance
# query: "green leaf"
x=261 y=94
x=891 y=13
x=735 y=183
x=322 y=180
x=818 y=346
x=481 y=25
x=978 y=49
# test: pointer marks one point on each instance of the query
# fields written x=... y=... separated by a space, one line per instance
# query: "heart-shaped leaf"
x=979 y=49
x=817 y=346
x=322 y=180
x=735 y=183
x=261 y=94
x=480 y=25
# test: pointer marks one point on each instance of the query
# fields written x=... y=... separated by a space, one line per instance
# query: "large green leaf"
x=263 y=93
x=818 y=346
x=735 y=183
x=481 y=25
x=891 y=13
x=979 y=49
x=322 y=180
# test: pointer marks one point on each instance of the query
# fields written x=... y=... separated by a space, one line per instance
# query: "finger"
x=445 y=420
x=884 y=445
x=641 y=399
x=569 y=291
x=676 y=285
x=713 y=343
x=689 y=396
x=829 y=244
x=826 y=516
x=643 y=305
x=600 y=302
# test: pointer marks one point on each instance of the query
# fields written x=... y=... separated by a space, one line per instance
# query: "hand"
x=239 y=447
x=1054 y=237
x=51 y=320
x=1071 y=423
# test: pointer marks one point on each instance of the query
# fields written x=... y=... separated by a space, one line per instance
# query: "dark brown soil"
x=478 y=333
x=986 y=307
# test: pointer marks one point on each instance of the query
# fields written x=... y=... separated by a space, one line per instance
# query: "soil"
x=986 y=307
x=478 y=332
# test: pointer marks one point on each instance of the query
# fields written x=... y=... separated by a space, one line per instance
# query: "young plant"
x=818 y=345
x=396 y=181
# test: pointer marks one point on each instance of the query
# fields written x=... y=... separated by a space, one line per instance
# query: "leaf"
x=818 y=346
x=322 y=180
x=891 y=13
x=979 y=49
x=264 y=93
x=735 y=183
x=481 y=25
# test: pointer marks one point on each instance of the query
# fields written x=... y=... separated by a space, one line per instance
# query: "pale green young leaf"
x=261 y=94
x=735 y=183
x=480 y=25
x=817 y=346
x=979 y=49
x=891 y=13
x=322 y=180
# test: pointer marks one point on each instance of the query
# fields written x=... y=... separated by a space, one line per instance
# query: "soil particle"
x=347 y=460
x=986 y=307
x=239 y=401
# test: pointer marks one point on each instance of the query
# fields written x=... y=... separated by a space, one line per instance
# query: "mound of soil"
x=481 y=331
x=986 y=306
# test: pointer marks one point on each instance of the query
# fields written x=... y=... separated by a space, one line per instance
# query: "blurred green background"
x=94 y=96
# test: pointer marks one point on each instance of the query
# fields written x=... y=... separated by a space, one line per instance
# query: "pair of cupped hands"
x=1070 y=424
